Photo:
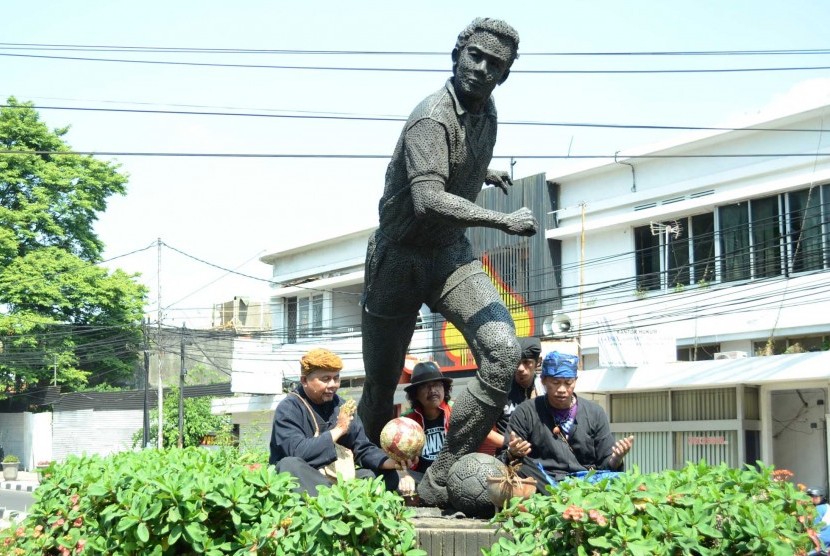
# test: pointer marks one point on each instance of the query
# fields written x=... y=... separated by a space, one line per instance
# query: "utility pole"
x=146 y=439
x=581 y=283
x=160 y=443
x=181 y=393
x=55 y=371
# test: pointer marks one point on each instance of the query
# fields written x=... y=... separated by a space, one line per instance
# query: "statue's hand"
x=499 y=178
x=521 y=223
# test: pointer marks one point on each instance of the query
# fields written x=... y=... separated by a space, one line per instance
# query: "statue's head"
x=490 y=38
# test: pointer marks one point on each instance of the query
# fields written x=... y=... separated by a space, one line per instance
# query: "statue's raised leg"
x=476 y=309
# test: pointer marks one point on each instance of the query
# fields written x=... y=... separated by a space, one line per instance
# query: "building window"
x=698 y=353
x=793 y=344
x=806 y=228
x=303 y=317
x=759 y=238
x=676 y=253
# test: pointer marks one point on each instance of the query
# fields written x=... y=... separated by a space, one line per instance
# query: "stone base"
x=444 y=533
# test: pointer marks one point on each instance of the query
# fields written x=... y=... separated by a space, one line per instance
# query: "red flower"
x=781 y=474
x=573 y=513
x=597 y=517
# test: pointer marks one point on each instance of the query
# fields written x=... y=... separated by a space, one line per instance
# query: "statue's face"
x=482 y=65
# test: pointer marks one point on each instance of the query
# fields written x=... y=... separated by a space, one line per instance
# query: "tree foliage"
x=198 y=422
x=61 y=315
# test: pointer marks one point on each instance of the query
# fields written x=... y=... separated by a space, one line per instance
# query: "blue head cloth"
x=559 y=365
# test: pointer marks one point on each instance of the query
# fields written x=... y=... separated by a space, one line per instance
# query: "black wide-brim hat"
x=426 y=371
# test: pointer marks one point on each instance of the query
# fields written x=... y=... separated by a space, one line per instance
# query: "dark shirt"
x=439 y=427
x=435 y=433
x=440 y=142
x=516 y=396
x=292 y=434
x=588 y=447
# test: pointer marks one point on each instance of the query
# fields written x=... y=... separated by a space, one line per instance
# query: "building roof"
x=707 y=374
x=131 y=399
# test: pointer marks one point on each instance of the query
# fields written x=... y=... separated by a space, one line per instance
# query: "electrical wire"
x=201 y=50
x=308 y=115
x=415 y=70
x=386 y=156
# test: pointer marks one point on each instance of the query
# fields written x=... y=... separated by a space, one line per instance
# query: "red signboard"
x=706 y=441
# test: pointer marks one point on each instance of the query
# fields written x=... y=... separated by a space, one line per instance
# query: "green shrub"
x=698 y=510
x=199 y=421
x=196 y=501
x=11 y=458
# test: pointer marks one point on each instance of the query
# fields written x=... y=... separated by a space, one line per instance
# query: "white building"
x=720 y=248
x=674 y=271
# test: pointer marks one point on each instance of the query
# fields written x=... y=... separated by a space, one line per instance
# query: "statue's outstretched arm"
x=431 y=201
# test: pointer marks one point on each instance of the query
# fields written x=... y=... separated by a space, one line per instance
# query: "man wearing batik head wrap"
x=560 y=434
x=313 y=420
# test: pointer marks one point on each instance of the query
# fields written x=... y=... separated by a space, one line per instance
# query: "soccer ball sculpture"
x=402 y=438
x=467 y=483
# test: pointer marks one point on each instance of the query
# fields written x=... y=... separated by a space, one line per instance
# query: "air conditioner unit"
x=731 y=355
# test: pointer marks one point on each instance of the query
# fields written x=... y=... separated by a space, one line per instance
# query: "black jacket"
x=292 y=434
x=590 y=442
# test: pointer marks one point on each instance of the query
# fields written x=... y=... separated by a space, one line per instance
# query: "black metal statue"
x=419 y=253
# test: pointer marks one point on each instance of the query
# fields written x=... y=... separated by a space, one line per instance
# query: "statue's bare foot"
x=430 y=492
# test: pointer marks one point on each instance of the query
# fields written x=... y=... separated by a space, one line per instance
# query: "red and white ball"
x=402 y=438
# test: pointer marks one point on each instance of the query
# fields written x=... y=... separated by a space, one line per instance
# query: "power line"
x=208 y=50
x=398 y=119
x=386 y=156
x=414 y=70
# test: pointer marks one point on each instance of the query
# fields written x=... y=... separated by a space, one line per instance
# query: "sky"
x=216 y=216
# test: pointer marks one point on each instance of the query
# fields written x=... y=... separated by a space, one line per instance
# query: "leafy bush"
x=699 y=510
x=196 y=501
x=11 y=458
x=199 y=420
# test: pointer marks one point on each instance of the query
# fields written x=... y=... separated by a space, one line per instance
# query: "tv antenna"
x=666 y=230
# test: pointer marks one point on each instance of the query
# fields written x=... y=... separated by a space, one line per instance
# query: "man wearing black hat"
x=429 y=395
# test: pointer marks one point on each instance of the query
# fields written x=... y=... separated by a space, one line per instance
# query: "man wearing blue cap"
x=559 y=434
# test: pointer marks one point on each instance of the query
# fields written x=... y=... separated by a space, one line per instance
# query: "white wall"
x=254 y=429
x=13 y=435
x=93 y=432
x=318 y=258
x=796 y=445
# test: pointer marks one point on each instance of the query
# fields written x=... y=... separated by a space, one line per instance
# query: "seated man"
x=526 y=385
x=312 y=420
x=429 y=396
x=822 y=522
x=559 y=434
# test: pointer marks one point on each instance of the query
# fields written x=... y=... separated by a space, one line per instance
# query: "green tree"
x=198 y=421
x=61 y=315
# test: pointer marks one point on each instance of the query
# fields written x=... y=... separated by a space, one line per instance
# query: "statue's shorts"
x=400 y=278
